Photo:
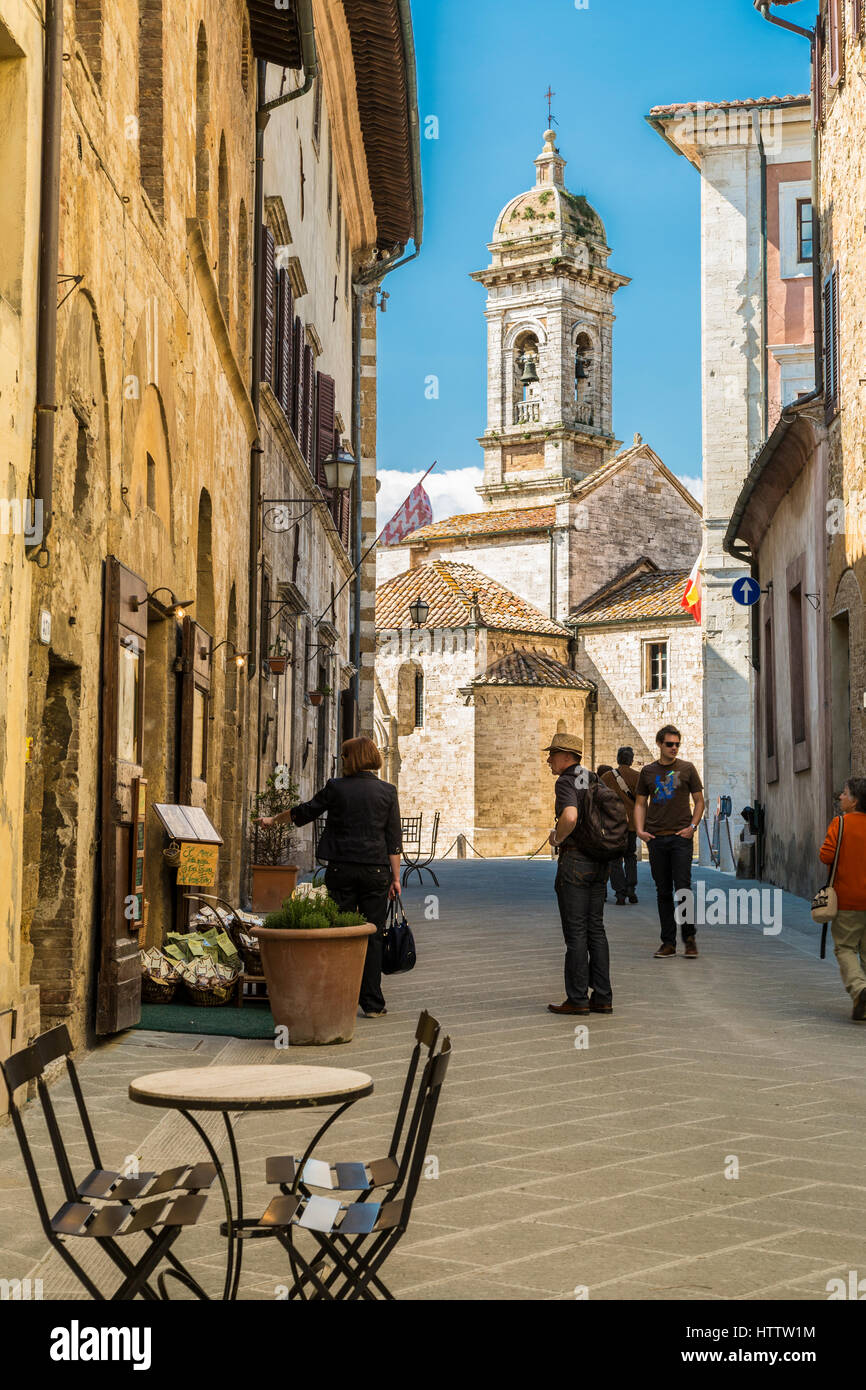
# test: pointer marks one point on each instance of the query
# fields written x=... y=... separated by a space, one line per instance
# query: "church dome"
x=549 y=208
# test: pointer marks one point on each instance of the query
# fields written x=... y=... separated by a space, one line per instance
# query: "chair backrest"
x=426 y=1035
x=435 y=835
x=29 y=1064
x=410 y=829
x=431 y=1086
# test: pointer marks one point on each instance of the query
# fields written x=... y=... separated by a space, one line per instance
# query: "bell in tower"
x=549 y=342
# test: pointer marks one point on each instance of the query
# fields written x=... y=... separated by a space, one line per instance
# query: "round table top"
x=271 y=1087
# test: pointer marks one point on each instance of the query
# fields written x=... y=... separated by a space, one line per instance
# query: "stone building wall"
x=612 y=657
x=21 y=42
x=841 y=193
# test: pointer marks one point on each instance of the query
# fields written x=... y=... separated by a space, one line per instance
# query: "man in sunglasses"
x=665 y=821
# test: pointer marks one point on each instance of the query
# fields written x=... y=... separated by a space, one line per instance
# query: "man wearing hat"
x=580 y=889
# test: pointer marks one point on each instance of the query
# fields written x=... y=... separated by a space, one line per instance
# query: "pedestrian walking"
x=361 y=843
x=849 y=881
x=623 y=872
x=665 y=821
x=580 y=888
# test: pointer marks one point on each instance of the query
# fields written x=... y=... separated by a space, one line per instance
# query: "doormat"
x=252 y=1021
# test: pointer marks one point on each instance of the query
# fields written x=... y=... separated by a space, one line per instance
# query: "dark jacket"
x=363 y=825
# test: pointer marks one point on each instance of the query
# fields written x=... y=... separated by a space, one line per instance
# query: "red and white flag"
x=691 y=599
x=416 y=511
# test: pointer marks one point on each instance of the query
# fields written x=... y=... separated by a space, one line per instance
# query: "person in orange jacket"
x=849 y=927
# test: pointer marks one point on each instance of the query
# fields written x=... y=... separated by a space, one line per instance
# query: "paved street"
x=562 y=1168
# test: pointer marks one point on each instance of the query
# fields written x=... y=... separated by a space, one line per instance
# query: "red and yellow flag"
x=691 y=599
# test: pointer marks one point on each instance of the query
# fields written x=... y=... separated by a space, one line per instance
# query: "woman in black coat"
x=362 y=845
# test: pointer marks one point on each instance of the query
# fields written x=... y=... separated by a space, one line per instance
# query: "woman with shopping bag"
x=845 y=850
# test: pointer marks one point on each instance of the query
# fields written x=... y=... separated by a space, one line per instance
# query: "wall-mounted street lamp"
x=339 y=470
x=240 y=657
x=419 y=609
x=176 y=607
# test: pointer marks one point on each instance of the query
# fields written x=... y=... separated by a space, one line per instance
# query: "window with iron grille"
x=655 y=668
x=419 y=699
x=804 y=229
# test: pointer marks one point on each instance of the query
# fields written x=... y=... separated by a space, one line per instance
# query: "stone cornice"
x=211 y=300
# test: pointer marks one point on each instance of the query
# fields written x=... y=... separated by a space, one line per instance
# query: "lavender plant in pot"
x=271 y=847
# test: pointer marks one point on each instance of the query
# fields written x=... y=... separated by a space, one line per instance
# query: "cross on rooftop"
x=550 y=94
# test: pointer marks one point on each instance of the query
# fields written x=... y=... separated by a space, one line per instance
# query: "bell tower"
x=549 y=342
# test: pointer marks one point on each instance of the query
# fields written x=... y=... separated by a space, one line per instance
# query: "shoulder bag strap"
x=836 y=857
x=623 y=785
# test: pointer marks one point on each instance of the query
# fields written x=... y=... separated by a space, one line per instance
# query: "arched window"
x=204 y=596
x=223 y=228
x=243 y=280
x=202 y=118
x=583 y=383
x=526 y=391
x=150 y=101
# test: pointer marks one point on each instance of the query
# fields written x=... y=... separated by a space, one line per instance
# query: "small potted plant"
x=317 y=696
x=278 y=657
x=274 y=876
x=313 y=959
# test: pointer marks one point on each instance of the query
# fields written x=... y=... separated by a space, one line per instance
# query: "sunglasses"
x=668 y=744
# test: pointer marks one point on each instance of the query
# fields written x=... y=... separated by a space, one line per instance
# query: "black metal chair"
x=175 y=1197
x=410 y=833
x=420 y=863
x=365 y=1175
x=355 y=1238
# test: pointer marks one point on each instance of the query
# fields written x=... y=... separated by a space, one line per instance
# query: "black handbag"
x=398 y=947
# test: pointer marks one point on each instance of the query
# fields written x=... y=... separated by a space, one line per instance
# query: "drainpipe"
x=765 y=355
x=49 y=239
x=374 y=275
x=763 y=8
x=550 y=536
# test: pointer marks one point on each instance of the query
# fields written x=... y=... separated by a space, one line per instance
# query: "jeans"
x=670 y=859
x=580 y=886
x=623 y=872
x=364 y=888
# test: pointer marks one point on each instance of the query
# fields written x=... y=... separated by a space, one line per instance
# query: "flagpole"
x=375 y=543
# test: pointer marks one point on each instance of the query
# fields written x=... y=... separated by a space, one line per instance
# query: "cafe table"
x=233 y=1090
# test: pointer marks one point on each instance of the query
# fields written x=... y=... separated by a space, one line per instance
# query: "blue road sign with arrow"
x=746 y=591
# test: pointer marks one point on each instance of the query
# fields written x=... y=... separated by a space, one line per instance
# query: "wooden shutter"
x=124 y=640
x=285 y=382
x=195 y=677
x=269 y=306
x=309 y=404
x=297 y=414
x=818 y=75
x=325 y=405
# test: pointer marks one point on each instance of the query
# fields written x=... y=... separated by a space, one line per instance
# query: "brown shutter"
x=297 y=414
x=831 y=341
x=286 y=343
x=325 y=402
x=309 y=403
x=269 y=306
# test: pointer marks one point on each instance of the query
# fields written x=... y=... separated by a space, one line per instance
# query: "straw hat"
x=565 y=743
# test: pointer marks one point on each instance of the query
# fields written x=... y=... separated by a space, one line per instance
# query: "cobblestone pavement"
x=607 y=1168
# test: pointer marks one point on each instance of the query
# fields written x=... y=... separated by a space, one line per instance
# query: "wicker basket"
x=211 y=996
x=251 y=954
x=155 y=991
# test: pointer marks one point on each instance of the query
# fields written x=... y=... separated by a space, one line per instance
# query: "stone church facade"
x=589 y=544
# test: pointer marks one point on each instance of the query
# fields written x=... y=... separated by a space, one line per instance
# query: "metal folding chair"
x=421 y=863
x=354 y=1238
x=175 y=1197
x=366 y=1174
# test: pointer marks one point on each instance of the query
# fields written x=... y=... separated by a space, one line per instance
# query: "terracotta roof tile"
x=679 y=106
x=532 y=668
x=448 y=587
x=649 y=596
x=485 y=524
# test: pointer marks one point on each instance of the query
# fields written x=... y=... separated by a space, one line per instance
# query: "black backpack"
x=602 y=824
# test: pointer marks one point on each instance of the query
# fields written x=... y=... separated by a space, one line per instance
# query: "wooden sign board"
x=188 y=823
x=198 y=865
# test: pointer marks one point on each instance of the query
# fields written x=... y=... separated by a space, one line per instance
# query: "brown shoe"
x=665 y=952
x=582 y=1010
x=599 y=1008
x=859 y=1014
x=691 y=947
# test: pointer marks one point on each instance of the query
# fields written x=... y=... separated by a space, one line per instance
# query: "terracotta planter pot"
x=277 y=665
x=272 y=883
x=314 y=979
x=314 y=697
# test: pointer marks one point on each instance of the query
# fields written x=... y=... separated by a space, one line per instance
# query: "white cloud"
x=695 y=487
x=451 y=492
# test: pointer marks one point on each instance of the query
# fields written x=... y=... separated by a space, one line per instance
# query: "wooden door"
x=194 y=714
x=124 y=640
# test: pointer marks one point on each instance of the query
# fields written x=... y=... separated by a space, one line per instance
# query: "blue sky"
x=483 y=69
